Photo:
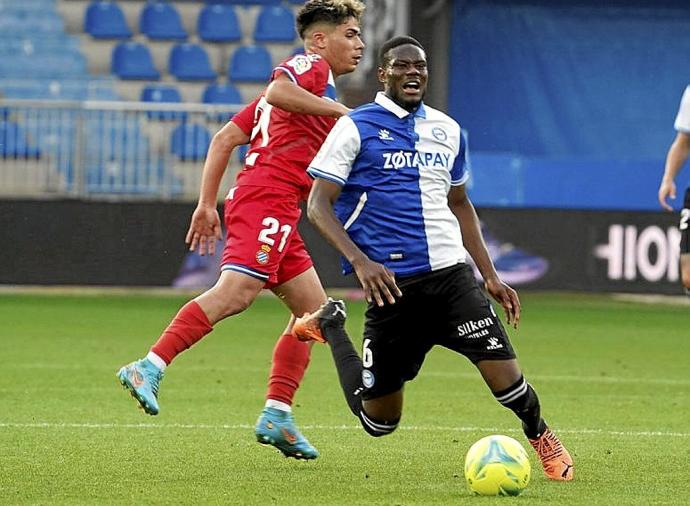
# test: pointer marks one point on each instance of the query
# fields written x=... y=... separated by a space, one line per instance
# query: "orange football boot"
x=557 y=462
x=308 y=326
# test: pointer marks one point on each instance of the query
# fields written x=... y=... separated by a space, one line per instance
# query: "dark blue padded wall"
x=588 y=79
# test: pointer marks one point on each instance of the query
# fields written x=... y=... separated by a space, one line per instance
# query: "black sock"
x=348 y=364
x=523 y=401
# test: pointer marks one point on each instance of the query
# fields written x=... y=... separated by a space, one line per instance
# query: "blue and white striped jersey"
x=396 y=169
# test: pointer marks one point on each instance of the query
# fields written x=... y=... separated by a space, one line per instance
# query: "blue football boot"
x=142 y=379
x=276 y=427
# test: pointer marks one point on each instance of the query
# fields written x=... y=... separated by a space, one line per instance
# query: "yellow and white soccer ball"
x=497 y=465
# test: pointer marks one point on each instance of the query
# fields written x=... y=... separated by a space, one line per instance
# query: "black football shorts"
x=445 y=307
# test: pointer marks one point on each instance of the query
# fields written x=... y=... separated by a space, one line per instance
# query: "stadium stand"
x=105 y=20
x=26 y=21
x=43 y=65
x=161 y=21
x=160 y=52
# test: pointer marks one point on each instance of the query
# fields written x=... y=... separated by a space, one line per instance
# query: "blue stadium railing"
x=87 y=149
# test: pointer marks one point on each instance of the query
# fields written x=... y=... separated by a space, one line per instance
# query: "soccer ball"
x=497 y=465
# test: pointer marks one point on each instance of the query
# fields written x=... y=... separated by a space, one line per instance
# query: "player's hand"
x=377 y=281
x=204 y=230
x=340 y=110
x=507 y=297
x=667 y=189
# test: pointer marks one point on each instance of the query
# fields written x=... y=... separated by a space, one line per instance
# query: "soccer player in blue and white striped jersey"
x=677 y=155
x=389 y=194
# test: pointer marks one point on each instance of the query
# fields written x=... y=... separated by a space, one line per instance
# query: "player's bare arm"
x=285 y=94
x=205 y=229
x=463 y=209
x=677 y=155
x=377 y=281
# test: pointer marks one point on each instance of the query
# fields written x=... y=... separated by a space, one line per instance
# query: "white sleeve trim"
x=338 y=152
x=462 y=180
x=682 y=123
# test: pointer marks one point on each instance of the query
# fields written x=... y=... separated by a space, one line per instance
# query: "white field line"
x=244 y=426
x=433 y=374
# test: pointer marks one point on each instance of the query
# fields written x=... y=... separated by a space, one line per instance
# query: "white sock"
x=156 y=360
x=272 y=403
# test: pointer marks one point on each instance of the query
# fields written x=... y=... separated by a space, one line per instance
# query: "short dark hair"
x=334 y=12
x=400 y=40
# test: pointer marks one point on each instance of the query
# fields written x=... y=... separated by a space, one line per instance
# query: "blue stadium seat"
x=218 y=23
x=105 y=20
x=189 y=62
x=190 y=141
x=251 y=64
x=14 y=142
x=162 y=94
x=275 y=24
x=161 y=21
x=132 y=60
x=216 y=93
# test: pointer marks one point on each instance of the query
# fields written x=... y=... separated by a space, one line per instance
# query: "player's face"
x=405 y=75
x=343 y=47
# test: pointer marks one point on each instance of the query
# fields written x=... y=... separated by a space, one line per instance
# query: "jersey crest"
x=300 y=64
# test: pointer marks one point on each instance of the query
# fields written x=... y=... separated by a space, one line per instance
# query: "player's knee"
x=235 y=306
x=377 y=428
x=233 y=302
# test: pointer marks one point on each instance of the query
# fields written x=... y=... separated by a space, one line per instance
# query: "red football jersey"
x=283 y=143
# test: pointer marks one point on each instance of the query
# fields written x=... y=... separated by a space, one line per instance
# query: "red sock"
x=290 y=361
x=189 y=325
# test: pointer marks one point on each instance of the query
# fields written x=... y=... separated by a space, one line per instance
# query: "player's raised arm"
x=463 y=209
x=287 y=95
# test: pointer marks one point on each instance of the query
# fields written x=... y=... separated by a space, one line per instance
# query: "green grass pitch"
x=613 y=377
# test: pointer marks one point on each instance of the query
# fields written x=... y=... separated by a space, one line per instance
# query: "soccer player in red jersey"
x=291 y=119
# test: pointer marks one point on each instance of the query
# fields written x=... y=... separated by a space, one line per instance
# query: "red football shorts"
x=262 y=237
